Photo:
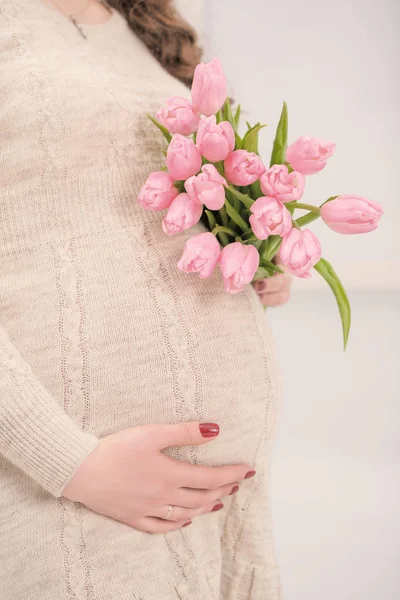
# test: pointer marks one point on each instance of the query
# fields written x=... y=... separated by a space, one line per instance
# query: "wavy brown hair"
x=167 y=35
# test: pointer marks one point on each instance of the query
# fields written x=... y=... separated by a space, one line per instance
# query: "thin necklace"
x=72 y=18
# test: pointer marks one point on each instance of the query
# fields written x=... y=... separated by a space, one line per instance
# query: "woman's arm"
x=35 y=433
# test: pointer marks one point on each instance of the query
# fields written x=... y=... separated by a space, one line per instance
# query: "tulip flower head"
x=309 y=155
x=300 y=251
x=215 y=140
x=183 y=158
x=183 y=213
x=158 y=191
x=209 y=89
x=238 y=263
x=282 y=185
x=200 y=255
x=178 y=116
x=270 y=217
x=207 y=187
x=243 y=168
x=351 y=214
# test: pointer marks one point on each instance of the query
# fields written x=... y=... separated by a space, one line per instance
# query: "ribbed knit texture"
x=100 y=331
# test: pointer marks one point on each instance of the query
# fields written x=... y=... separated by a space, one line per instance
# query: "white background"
x=335 y=490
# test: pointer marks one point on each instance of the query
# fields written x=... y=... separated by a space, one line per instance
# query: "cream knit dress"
x=100 y=331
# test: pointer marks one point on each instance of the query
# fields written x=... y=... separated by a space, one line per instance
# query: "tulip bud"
x=243 y=168
x=183 y=158
x=309 y=155
x=282 y=185
x=213 y=140
x=183 y=213
x=300 y=251
x=351 y=214
x=200 y=255
x=207 y=187
x=270 y=217
x=208 y=88
x=158 y=192
x=238 y=263
x=178 y=116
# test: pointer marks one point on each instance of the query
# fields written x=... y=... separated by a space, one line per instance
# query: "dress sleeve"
x=36 y=435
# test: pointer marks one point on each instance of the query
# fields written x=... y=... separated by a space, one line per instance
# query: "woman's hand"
x=275 y=290
x=128 y=477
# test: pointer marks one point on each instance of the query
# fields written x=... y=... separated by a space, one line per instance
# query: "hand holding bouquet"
x=216 y=175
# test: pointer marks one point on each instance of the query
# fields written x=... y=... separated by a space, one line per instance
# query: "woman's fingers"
x=208 y=478
x=155 y=525
x=191 y=498
x=275 y=299
x=180 y=513
x=278 y=283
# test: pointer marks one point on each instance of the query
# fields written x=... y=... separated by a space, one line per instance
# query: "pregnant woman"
x=137 y=403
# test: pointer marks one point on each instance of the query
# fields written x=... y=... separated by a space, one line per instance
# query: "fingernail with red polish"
x=234 y=490
x=249 y=474
x=217 y=507
x=187 y=523
x=209 y=429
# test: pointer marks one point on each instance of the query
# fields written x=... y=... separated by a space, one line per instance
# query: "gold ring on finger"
x=169 y=512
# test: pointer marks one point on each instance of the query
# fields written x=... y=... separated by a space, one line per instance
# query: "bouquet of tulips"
x=215 y=174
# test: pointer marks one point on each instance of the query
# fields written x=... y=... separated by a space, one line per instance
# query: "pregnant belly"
x=128 y=339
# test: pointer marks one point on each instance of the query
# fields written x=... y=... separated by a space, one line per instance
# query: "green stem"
x=244 y=198
x=310 y=207
x=222 y=229
x=306 y=219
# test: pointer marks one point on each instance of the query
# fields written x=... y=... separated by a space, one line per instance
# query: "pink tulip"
x=351 y=214
x=213 y=140
x=200 y=255
x=281 y=184
x=207 y=187
x=238 y=263
x=309 y=155
x=178 y=116
x=209 y=87
x=243 y=168
x=300 y=251
x=183 y=213
x=270 y=217
x=183 y=158
x=158 y=191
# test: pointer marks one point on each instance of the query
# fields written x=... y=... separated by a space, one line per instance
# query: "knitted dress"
x=100 y=331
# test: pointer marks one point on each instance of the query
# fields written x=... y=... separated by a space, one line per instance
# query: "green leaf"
x=238 y=142
x=211 y=219
x=274 y=242
x=236 y=118
x=220 y=116
x=224 y=218
x=255 y=190
x=163 y=129
x=227 y=113
x=250 y=140
x=270 y=265
x=248 y=125
x=261 y=273
x=263 y=247
x=325 y=269
x=278 y=155
x=244 y=198
x=235 y=216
